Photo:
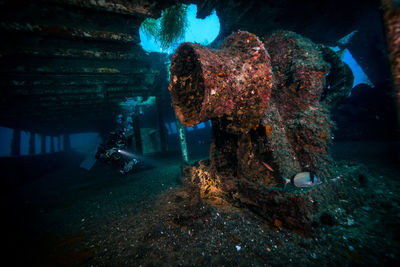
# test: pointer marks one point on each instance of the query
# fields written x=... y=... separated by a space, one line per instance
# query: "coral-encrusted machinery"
x=269 y=103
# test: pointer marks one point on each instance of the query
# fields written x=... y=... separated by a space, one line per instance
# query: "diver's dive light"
x=126 y=153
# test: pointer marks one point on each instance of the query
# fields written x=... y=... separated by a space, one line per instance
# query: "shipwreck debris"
x=268 y=102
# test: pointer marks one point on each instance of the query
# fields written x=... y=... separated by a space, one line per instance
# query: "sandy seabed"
x=149 y=218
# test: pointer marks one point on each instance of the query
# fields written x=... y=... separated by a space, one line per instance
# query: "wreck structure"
x=268 y=100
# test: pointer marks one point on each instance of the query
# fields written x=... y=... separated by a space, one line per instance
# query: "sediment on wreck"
x=269 y=104
x=297 y=113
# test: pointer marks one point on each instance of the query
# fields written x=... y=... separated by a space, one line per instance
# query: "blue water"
x=202 y=31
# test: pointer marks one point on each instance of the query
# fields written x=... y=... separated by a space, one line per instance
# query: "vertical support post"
x=32 y=143
x=67 y=143
x=16 y=143
x=161 y=127
x=51 y=144
x=59 y=143
x=136 y=130
x=182 y=141
x=43 y=144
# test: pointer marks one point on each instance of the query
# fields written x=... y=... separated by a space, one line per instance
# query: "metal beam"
x=117 y=6
x=68 y=32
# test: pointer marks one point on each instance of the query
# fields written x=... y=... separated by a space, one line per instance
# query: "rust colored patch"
x=323 y=135
x=268 y=130
x=278 y=223
x=220 y=74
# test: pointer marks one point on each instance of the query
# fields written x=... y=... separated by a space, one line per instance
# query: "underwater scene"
x=200 y=133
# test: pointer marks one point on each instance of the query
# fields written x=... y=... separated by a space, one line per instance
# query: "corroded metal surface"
x=265 y=99
x=220 y=84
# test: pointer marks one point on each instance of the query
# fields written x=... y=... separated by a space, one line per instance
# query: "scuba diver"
x=110 y=153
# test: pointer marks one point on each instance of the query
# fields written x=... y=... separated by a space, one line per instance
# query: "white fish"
x=303 y=179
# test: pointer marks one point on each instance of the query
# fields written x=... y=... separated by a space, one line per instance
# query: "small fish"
x=303 y=179
x=268 y=167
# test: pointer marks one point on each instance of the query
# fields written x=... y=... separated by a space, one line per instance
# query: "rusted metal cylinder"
x=266 y=124
x=222 y=84
x=264 y=128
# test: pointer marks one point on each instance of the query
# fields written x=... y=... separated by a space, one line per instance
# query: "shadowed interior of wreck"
x=270 y=98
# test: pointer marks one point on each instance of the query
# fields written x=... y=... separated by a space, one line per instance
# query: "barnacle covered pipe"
x=268 y=102
x=269 y=105
x=301 y=128
x=232 y=84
